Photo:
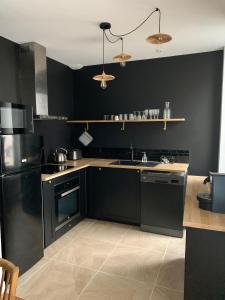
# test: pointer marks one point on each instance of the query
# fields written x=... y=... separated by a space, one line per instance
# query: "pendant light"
x=159 y=38
x=103 y=77
x=122 y=57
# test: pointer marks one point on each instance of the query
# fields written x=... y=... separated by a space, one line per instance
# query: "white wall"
x=222 y=125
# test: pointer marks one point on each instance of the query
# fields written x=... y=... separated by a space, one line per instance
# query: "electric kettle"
x=59 y=156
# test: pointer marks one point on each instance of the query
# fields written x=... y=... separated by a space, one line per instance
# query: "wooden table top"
x=96 y=162
x=194 y=216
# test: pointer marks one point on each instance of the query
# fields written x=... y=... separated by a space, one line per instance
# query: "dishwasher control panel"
x=175 y=178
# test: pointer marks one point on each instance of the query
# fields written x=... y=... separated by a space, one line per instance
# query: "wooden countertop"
x=193 y=215
x=95 y=162
x=196 y=217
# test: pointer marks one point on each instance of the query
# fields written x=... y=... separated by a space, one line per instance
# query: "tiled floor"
x=107 y=261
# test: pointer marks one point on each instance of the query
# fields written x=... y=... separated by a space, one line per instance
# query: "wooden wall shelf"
x=165 y=121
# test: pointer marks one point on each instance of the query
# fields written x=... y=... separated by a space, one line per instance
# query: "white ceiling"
x=69 y=28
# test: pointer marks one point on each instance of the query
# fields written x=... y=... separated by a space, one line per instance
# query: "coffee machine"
x=215 y=200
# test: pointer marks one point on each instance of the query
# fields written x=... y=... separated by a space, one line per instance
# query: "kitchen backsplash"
x=181 y=156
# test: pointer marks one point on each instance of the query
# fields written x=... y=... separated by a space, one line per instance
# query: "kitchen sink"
x=135 y=163
x=126 y=162
x=149 y=163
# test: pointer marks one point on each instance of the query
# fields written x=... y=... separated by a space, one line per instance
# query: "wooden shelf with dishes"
x=123 y=122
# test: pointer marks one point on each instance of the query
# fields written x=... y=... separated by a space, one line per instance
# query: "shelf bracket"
x=165 y=125
x=123 y=126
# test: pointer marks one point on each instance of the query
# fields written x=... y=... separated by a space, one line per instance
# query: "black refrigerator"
x=21 y=199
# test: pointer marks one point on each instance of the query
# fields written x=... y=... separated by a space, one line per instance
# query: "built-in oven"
x=67 y=202
x=16 y=118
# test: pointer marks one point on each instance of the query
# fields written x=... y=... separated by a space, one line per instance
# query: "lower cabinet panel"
x=204 y=265
x=114 y=194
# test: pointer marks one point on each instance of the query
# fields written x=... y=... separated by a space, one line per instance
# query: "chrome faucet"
x=132 y=152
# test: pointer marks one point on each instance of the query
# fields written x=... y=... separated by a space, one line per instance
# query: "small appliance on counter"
x=60 y=156
x=75 y=154
x=215 y=199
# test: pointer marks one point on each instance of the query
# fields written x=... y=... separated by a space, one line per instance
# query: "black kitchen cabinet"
x=114 y=194
x=48 y=210
x=49 y=189
x=204 y=265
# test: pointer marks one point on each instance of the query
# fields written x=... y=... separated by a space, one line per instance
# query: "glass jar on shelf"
x=167 y=111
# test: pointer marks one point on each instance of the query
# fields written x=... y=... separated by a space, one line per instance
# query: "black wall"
x=60 y=95
x=191 y=82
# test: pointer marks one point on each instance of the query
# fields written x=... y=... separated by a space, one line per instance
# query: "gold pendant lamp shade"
x=104 y=77
x=122 y=57
x=159 y=38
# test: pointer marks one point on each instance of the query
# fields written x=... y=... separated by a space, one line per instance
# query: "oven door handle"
x=70 y=191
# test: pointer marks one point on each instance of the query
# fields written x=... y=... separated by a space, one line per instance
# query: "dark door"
x=121 y=195
x=94 y=192
x=49 y=212
x=22 y=218
x=52 y=208
x=162 y=205
x=67 y=201
x=19 y=152
x=114 y=194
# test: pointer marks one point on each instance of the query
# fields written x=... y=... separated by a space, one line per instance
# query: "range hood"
x=33 y=80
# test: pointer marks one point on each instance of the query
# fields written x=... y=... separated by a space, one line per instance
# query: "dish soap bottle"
x=167 y=111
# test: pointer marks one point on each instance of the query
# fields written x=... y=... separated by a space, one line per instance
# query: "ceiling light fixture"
x=159 y=38
x=122 y=58
x=103 y=77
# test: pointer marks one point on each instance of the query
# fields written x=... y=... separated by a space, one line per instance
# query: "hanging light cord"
x=115 y=41
x=159 y=20
x=103 y=51
x=120 y=36
x=142 y=23
x=110 y=41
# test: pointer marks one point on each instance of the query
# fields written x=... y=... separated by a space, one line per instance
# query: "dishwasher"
x=162 y=202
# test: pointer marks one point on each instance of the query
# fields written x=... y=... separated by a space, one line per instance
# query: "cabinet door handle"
x=99 y=169
x=138 y=171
